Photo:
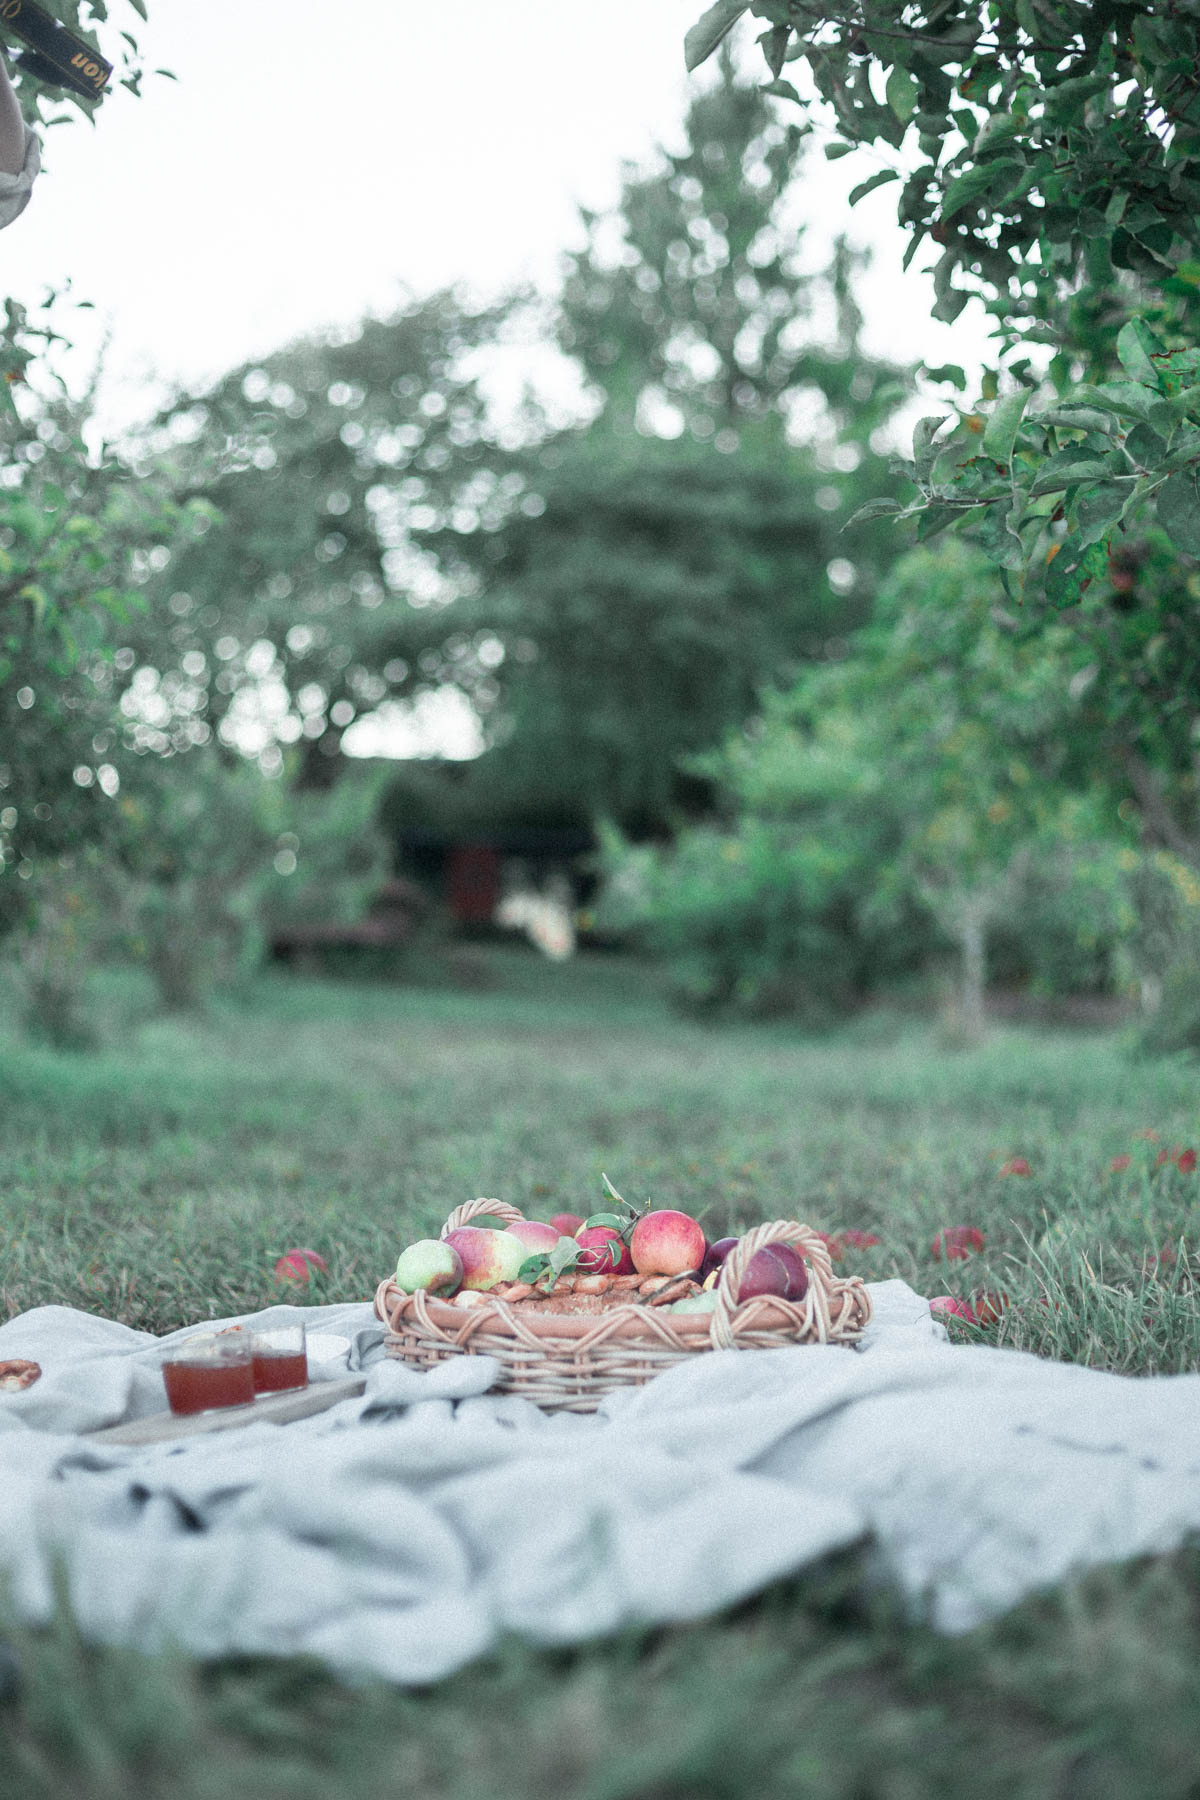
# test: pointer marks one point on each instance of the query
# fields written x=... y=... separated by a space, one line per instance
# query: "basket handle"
x=476 y=1209
x=815 y=1304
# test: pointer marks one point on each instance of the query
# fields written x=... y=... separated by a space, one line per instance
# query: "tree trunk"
x=972 y=943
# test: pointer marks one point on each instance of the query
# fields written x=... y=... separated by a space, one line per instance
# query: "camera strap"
x=54 y=53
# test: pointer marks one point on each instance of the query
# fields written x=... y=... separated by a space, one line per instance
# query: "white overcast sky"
x=313 y=160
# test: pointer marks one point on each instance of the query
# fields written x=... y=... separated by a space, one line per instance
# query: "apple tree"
x=1049 y=151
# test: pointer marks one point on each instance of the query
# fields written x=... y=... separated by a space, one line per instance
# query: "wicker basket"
x=568 y=1364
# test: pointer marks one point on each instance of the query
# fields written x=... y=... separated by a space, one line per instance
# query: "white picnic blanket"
x=405 y=1532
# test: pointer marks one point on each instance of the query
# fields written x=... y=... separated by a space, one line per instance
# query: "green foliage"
x=934 y=768
x=1052 y=151
x=210 y=852
x=605 y=599
x=634 y=618
x=643 y=588
x=287 y=618
x=76 y=539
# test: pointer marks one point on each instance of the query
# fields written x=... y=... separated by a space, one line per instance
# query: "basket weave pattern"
x=568 y=1363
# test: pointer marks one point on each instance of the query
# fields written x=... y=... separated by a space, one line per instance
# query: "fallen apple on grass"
x=945 y=1306
x=488 y=1257
x=300 y=1266
x=666 y=1243
x=989 y=1305
x=431 y=1264
x=956 y=1243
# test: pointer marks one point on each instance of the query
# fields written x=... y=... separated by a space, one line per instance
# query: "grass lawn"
x=157 y=1182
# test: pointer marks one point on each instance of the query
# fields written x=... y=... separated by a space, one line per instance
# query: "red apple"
x=488 y=1257
x=535 y=1236
x=597 y=1258
x=566 y=1224
x=795 y=1268
x=715 y=1255
x=300 y=1266
x=859 y=1240
x=957 y=1242
x=945 y=1306
x=989 y=1304
x=764 y=1274
x=666 y=1243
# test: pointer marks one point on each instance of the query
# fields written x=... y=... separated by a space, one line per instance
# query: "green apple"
x=429 y=1264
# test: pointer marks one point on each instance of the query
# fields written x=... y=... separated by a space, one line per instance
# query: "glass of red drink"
x=208 y=1371
x=280 y=1359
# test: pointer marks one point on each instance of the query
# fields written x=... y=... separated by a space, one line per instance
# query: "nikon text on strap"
x=58 y=55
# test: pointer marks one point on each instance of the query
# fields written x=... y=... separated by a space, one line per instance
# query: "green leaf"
x=1000 y=433
x=1073 y=565
x=1117 y=397
x=1099 y=510
x=868 y=187
x=923 y=447
x=1179 y=511
x=874 y=509
x=950 y=372
x=710 y=29
x=604 y=1218
x=563 y=1256
x=998 y=172
x=1069 y=474
x=782 y=90
x=901 y=91
x=835 y=150
x=533 y=1268
x=775 y=46
x=1145 y=446
x=1136 y=346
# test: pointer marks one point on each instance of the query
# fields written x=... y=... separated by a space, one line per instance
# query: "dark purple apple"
x=715 y=1255
x=796 y=1267
x=764 y=1274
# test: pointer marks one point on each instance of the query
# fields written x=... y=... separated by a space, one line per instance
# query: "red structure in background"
x=473 y=883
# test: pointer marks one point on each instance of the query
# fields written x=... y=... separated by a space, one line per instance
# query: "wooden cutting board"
x=275 y=1409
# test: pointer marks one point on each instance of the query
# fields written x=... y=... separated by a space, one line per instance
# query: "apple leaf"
x=564 y=1255
x=612 y=1219
x=611 y=1191
x=533 y=1268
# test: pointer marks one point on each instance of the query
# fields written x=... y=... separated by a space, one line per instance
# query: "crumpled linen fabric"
x=406 y=1531
x=16 y=189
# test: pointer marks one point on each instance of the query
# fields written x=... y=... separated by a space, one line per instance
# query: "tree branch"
x=1155 y=811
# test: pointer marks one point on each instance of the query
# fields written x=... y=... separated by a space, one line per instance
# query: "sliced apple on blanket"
x=430 y=1264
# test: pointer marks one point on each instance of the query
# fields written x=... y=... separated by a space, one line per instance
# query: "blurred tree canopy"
x=944 y=764
x=277 y=626
x=687 y=544
x=1051 y=148
x=607 y=596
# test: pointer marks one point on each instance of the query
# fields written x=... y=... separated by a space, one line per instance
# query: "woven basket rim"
x=766 y=1313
